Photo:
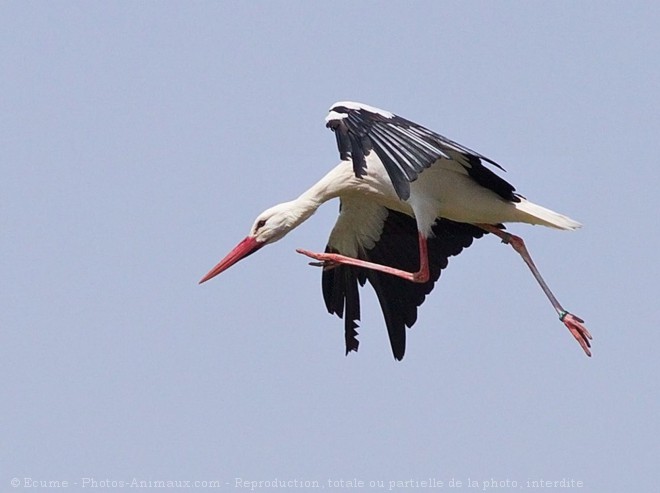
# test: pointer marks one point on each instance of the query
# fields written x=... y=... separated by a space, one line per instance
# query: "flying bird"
x=409 y=199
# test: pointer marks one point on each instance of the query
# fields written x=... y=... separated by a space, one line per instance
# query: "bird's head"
x=271 y=225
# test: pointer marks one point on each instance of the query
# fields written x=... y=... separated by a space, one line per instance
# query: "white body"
x=444 y=190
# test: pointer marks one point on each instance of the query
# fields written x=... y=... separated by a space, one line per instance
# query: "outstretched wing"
x=404 y=147
x=390 y=238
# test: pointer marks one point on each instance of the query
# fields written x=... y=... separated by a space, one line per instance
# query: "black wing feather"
x=406 y=149
x=342 y=298
x=398 y=298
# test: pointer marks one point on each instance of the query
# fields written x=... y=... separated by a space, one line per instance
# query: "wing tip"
x=340 y=107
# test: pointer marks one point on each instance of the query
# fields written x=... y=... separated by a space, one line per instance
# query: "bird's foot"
x=575 y=326
x=325 y=260
x=331 y=260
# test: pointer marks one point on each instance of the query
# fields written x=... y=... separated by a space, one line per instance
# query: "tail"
x=535 y=214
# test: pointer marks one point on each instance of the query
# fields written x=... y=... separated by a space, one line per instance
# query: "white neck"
x=338 y=182
x=330 y=186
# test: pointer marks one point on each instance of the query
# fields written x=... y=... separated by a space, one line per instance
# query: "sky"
x=138 y=142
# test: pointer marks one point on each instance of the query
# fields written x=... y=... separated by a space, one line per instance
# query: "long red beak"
x=246 y=247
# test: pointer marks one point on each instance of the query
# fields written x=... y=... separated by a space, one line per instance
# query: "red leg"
x=333 y=259
x=573 y=323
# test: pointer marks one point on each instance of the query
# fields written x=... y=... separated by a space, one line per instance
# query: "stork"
x=409 y=199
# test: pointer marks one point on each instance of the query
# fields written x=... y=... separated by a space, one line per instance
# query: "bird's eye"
x=261 y=224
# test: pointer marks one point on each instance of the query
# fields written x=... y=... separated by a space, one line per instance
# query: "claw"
x=326 y=264
x=578 y=330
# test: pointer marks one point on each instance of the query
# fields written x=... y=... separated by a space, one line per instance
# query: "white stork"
x=409 y=199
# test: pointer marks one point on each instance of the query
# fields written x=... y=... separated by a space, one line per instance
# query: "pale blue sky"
x=138 y=141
